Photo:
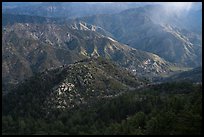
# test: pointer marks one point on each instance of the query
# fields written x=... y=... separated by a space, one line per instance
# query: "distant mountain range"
x=34 y=43
x=175 y=38
x=65 y=9
x=101 y=68
x=10 y=19
x=33 y=47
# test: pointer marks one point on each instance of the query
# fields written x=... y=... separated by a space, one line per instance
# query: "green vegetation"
x=68 y=73
x=68 y=86
x=167 y=109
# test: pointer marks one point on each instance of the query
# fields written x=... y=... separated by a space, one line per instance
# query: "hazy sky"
x=169 y=5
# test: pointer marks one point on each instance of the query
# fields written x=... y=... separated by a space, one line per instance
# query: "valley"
x=101 y=68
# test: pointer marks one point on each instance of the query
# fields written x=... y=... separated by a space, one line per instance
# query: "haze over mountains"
x=175 y=35
x=66 y=9
x=147 y=29
x=62 y=58
x=30 y=48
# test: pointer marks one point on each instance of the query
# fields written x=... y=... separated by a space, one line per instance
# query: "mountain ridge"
x=41 y=46
x=140 y=29
x=71 y=85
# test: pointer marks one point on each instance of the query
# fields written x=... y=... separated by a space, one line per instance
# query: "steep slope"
x=167 y=35
x=69 y=86
x=23 y=54
x=28 y=48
